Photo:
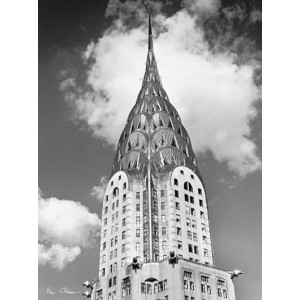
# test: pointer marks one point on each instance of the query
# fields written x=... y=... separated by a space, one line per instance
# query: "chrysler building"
x=155 y=238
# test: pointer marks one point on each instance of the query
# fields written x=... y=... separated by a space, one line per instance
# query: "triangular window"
x=170 y=125
x=174 y=144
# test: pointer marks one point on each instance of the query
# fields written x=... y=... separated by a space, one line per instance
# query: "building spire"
x=150 y=38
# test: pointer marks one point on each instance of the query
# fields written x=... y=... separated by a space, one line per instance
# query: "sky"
x=91 y=60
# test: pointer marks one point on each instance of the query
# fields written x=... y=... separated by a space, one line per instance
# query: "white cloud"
x=203 y=7
x=57 y=256
x=65 y=227
x=214 y=97
x=98 y=191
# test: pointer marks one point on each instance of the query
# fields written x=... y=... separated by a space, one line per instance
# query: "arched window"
x=116 y=192
x=187 y=186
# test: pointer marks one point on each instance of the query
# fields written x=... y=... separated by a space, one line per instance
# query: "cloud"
x=65 y=227
x=212 y=87
x=203 y=8
x=57 y=256
x=98 y=191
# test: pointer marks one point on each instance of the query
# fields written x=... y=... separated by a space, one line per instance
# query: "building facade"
x=156 y=240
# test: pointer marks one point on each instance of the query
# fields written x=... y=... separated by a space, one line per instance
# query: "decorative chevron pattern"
x=153 y=135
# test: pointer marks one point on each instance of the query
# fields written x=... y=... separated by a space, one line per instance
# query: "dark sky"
x=71 y=161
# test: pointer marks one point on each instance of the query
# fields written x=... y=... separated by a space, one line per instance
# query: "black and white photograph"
x=150 y=150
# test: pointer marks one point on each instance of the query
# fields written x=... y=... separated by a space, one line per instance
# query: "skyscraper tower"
x=155 y=239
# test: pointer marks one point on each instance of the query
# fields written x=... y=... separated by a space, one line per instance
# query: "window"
x=117 y=203
x=162 y=193
x=155 y=217
x=178 y=231
x=124 y=209
x=143 y=288
x=186 y=197
x=112 y=183
x=104 y=258
x=155 y=230
x=187 y=209
x=181 y=172
x=192 y=285
x=123 y=235
x=195 y=238
x=119 y=177
x=190 y=246
x=124 y=186
x=123 y=248
x=203 y=288
x=138 y=207
x=176 y=194
x=192 y=176
x=124 y=197
x=192 y=199
x=113 y=206
x=116 y=227
x=204 y=278
x=225 y=293
x=204 y=239
x=105 y=233
x=177 y=205
x=106 y=210
x=104 y=246
x=194 y=224
x=164 y=231
x=123 y=262
x=163 y=218
x=188 y=222
x=155 y=288
x=189 y=233
x=116 y=192
x=114 y=280
x=115 y=266
x=116 y=240
x=187 y=186
x=199 y=191
x=203 y=227
x=103 y=272
x=163 y=206
x=110 y=285
x=149 y=289
x=106 y=198
x=205 y=252
x=180 y=245
x=112 y=217
x=192 y=211
x=112 y=229
x=165 y=284
x=116 y=253
x=124 y=222
x=137 y=195
x=111 y=242
x=164 y=245
x=201 y=203
x=186 y=284
x=208 y=289
x=201 y=214
x=111 y=255
x=219 y=292
x=138 y=246
x=196 y=250
x=110 y=268
x=138 y=220
x=178 y=219
x=114 y=295
x=138 y=234
x=175 y=181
